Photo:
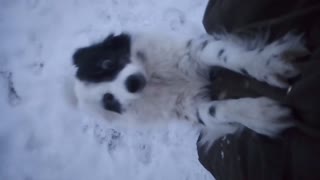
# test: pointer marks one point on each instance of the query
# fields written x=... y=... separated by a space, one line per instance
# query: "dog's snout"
x=111 y=103
x=135 y=83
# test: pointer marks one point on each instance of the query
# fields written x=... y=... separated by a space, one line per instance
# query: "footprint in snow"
x=113 y=141
x=175 y=18
x=143 y=152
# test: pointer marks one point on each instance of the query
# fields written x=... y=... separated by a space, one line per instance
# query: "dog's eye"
x=106 y=64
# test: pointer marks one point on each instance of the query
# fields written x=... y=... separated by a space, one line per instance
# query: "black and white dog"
x=151 y=78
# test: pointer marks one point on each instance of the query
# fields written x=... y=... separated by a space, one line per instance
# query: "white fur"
x=177 y=70
x=263 y=115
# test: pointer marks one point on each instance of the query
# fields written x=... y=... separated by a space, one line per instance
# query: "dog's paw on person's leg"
x=276 y=64
x=271 y=63
x=261 y=115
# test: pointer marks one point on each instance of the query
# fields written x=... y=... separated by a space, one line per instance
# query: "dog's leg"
x=262 y=115
x=266 y=62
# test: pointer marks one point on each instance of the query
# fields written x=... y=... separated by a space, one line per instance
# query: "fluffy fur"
x=152 y=78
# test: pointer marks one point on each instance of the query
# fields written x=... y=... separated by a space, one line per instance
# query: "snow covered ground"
x=42 y=135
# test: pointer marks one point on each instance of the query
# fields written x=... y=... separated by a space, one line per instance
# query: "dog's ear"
x=79 y=56
x=82 y=54
x=108 y=40
x=119 y=43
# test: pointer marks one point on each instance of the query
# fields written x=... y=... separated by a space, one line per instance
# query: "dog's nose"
x=111 y=103
x=135 y=83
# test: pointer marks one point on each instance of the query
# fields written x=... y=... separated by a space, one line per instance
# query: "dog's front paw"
x=206 y=114
x=262 y=115
x=265 y=116
x=275 y=64
x=275 y=71
x=216 y=112
x=197 y=44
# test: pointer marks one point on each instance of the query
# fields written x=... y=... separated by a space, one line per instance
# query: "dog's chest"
x=165 y=98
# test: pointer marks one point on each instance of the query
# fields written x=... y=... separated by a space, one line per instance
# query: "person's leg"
x=277 y=17
x=246 y=155
x=305 y=94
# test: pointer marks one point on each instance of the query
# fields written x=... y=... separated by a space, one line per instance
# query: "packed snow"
x=43 y=136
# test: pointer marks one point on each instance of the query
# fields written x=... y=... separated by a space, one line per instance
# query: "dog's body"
x=156 y=78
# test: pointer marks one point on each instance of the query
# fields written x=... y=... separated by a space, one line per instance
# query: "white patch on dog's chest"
x=166 y=98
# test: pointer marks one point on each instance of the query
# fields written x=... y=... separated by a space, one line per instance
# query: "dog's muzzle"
x=111 y=103
x=135 y=83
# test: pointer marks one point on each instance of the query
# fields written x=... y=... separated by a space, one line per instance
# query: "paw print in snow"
x=175 y=17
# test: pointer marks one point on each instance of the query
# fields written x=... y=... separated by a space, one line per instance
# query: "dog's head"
x=107 y=75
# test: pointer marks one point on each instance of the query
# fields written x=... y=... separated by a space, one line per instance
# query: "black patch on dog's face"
x=103 y=61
